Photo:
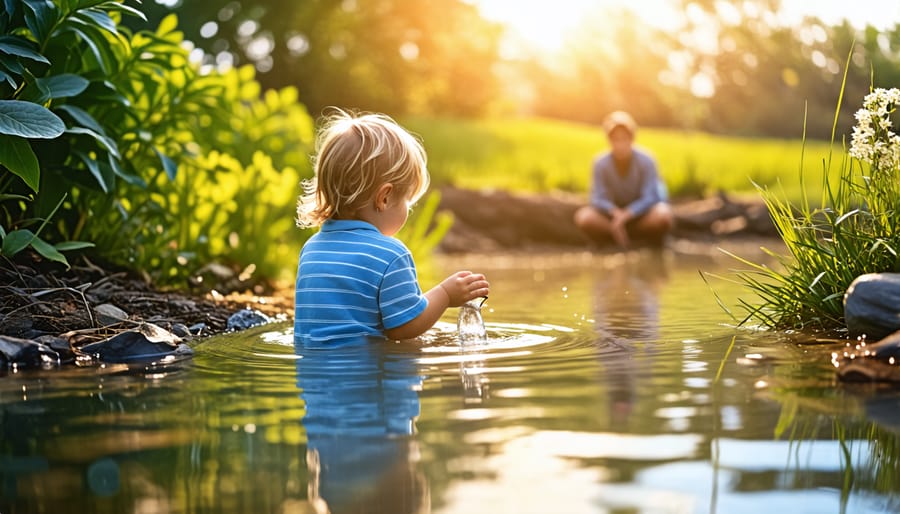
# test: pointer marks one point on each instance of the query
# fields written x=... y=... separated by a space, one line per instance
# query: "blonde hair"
x=356 y=154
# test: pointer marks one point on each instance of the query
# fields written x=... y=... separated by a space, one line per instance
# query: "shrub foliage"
x=121 y=139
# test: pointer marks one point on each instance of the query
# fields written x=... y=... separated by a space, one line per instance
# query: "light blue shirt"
x=638 y=190
x=353 y=282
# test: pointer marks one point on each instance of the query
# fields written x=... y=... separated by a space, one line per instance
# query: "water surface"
x=605 y=385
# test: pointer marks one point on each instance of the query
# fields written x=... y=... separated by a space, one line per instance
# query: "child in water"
x=354 y=279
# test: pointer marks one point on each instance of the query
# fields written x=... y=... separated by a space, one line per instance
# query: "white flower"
x=873 y=141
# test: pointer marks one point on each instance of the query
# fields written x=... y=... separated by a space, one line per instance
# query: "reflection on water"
x=361 y=408
x=601 y=385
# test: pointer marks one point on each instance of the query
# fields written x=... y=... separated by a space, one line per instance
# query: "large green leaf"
x=10 y=64
x=18 y=157
x=40 y=17
x=16 y=241
x=82 y=117
x=29 y=120
x=98 y=18
x=48 y=251
x=20 y=47
x=63 y=85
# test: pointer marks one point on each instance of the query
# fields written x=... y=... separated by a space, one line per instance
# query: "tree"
x=394 y=56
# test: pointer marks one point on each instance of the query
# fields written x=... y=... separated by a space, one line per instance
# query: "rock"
x=180 y=330
x=872 y=306
x=58 y=345
x=148 y=342
x=26 y=353
x=862 y=362
x=197 y=328
x=246 y=318
x=109 y=314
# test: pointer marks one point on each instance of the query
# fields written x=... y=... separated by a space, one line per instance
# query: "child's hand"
x=463 y=286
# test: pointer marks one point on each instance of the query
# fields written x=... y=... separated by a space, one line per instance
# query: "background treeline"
x=730 y=67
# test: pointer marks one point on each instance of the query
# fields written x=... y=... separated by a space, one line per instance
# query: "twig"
x=78 y=290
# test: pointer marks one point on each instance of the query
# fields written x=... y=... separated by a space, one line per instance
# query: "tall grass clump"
x=854 y=229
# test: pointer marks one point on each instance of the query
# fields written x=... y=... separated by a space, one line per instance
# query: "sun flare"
x=546 y=26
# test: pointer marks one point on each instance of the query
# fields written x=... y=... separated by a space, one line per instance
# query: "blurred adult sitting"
x=629 y=200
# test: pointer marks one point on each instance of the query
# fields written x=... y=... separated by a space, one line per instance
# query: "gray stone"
x=109 y=314
x=146 y=343
x=59 y=345
x=872 y=306
x=246 y=318
x=26 y=353
x=181 y=330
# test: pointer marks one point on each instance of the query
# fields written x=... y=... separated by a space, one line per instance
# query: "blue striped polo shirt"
x=353 y=282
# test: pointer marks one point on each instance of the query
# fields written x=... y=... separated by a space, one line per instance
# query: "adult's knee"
x=583 y=217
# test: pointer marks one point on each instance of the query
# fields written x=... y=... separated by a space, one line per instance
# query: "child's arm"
x=454 y=291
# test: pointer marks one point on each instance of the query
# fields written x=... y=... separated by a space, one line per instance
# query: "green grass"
x=538 y=155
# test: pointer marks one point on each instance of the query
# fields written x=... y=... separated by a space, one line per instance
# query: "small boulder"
x=246 y=318
x=26 y=353
x=148 y=342
x=181 y=330
x=872 y=306
x=109 y=314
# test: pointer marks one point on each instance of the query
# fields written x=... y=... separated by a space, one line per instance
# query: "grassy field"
x=540 y=155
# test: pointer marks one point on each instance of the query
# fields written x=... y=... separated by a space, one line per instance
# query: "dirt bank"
x=488 y=221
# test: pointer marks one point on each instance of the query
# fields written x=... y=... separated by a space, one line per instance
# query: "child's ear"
x=382 y=195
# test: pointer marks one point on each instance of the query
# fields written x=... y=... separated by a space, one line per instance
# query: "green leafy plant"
x=40 y=71
x=125 y=140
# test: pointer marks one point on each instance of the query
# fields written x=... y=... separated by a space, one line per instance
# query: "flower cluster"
x=873 y=140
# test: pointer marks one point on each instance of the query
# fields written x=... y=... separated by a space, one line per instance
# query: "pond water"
x=608 y=384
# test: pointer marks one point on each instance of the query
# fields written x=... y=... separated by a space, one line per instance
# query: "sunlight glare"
x=545 y=26
x=541 y=26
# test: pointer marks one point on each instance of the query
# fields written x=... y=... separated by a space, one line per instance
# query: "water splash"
x=470 y=324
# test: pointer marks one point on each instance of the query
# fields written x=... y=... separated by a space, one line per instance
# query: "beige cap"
x=619 y=119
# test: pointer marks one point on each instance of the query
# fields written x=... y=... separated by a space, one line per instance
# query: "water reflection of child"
x=354 y=279
x=361 y=407
x=628 y=198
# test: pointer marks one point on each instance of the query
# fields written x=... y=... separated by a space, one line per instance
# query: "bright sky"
x=545 y=23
